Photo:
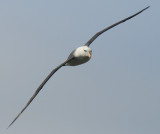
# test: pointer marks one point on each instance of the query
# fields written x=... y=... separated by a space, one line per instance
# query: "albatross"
x=78 y=56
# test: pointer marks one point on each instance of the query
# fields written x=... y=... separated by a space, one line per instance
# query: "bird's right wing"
x=39 y=88
x=119 y=22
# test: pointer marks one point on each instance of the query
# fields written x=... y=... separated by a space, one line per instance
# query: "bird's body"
x=81 y=55
x=78 y=56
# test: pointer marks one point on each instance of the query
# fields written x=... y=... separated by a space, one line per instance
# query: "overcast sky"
x=116 y=92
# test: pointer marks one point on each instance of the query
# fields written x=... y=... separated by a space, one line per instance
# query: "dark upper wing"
x=39 y=88
x=104 y=30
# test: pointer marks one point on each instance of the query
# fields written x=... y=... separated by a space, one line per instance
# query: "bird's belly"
x=78 y=61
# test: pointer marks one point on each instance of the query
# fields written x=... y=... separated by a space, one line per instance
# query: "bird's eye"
x=85 y=50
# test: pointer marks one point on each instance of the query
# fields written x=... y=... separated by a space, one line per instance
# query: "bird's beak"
x=89 y=55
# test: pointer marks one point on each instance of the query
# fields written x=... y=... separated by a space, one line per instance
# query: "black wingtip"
x=9 y=125
x=144 y=9
x=147 y=7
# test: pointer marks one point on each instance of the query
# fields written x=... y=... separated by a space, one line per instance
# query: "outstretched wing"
x=104 y=30
x=39 y=88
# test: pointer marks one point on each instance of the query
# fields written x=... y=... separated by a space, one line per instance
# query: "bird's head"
x=83 y=52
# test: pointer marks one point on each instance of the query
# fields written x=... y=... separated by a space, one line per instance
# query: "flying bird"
x=78 y=56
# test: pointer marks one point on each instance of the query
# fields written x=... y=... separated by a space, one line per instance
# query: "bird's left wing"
x=39 y=88
x=119 y=22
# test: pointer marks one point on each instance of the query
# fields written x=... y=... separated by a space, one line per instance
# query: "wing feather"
x=119 y=22
x=39 y=88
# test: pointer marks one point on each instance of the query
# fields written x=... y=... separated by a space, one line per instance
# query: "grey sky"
x=116 y=92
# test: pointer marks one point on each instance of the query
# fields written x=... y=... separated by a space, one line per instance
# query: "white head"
x=82 y=52
x=81 y=55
